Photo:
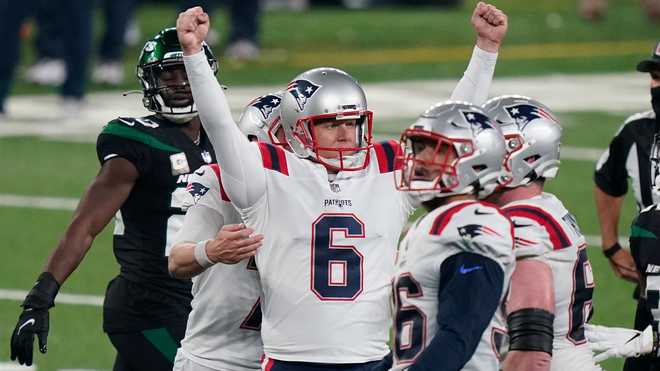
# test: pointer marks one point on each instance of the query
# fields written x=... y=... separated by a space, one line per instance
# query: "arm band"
x=200 y=255
x=610 y=251
x=531 y=329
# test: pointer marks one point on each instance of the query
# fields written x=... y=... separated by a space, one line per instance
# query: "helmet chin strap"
x=179 y=118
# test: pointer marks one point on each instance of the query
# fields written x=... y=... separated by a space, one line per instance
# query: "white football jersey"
x=460 y=226
x=327 y=256
x=223 y=327
x=544 y=229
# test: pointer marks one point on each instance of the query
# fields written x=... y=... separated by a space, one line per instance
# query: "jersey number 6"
x=337 y=270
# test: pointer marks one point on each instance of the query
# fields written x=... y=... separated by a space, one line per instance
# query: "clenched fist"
x=491 y=25
x=192 y=26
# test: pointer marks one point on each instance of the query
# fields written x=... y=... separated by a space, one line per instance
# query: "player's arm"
x=207 y=241
x=491 y=25
x=530 y=312
x=243 y=175
x=99 y=203
x=611 y=185
x=469 y=293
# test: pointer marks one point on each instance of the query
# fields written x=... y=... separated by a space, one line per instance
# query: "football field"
x=47 y=162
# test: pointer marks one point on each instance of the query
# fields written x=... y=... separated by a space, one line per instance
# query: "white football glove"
x=618 y=342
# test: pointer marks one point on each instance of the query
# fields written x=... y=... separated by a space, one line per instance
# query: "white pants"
x=182 y=363
x=578 y=358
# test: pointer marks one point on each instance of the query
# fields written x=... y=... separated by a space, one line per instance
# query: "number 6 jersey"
x=452 y=273
x=545 y=230
x=328 y=256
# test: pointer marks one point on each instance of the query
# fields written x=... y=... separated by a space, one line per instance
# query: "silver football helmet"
x=451 y=149
x=261 y=118
x=533 y=138
x=321 y=94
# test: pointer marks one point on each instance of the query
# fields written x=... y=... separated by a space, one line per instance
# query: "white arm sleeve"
x=238 y=160
x=202 y=222
x=475 y=84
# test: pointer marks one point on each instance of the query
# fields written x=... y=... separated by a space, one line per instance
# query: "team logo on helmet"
x=302 y=90
x=197 y=190
x=470 y=231
x=524 y=113
x=477 y=119
x=266 y=104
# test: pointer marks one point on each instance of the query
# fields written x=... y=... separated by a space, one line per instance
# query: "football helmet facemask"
x=319 y=95
x=451 y=149
x=163 y=54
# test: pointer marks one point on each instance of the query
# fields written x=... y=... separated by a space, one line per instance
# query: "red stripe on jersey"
x=443 y=219
x=223 y=194
x=269 y=364
x=273 y=158
x=387 y=154
x=558 y=237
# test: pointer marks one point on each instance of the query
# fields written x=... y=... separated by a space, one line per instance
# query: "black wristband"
x=42 y=295
x=610 y=251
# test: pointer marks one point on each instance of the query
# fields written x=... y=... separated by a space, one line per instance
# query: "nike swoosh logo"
x=478 y=212
x=28 y=322
x=200 y=172
x=633 y=338
x=464 y=270
x=516 y=225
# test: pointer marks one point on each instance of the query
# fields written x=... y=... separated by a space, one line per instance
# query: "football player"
x=553 y=283
x=454 y=264
x=145 y=164
x=328 y=209
x=223 y=326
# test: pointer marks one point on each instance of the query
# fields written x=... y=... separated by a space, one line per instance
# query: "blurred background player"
x=242 y=43
x=552 y=285
x=454 y=265
x=223 y=331
x=76 y=42
x=328 y=127
x=145 y=163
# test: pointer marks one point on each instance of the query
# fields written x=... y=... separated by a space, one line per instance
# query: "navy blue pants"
x=273 y=365
x=12 y=15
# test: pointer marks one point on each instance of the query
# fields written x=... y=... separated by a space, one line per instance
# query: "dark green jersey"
x=152 y=214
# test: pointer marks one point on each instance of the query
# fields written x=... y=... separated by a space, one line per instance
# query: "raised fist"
x=192 y=26
x=490 y=24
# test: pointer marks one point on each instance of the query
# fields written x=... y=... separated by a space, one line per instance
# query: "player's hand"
x=192 y=26
x=623 y=266
x=233 y=243
x=618 y=342
x=491 y=25
x=30 y=323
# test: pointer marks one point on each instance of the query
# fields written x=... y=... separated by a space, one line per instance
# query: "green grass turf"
x=293 y=42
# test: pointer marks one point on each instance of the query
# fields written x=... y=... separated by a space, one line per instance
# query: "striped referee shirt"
x=628 y=157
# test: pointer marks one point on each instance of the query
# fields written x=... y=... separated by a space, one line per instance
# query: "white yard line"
x=42 y=115
x=62 y=298
x=97 y=301
x=37 y=202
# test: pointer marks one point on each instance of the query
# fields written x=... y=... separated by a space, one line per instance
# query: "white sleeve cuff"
x=200 y=255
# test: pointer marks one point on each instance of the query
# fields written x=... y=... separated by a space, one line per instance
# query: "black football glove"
x=34 y=319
